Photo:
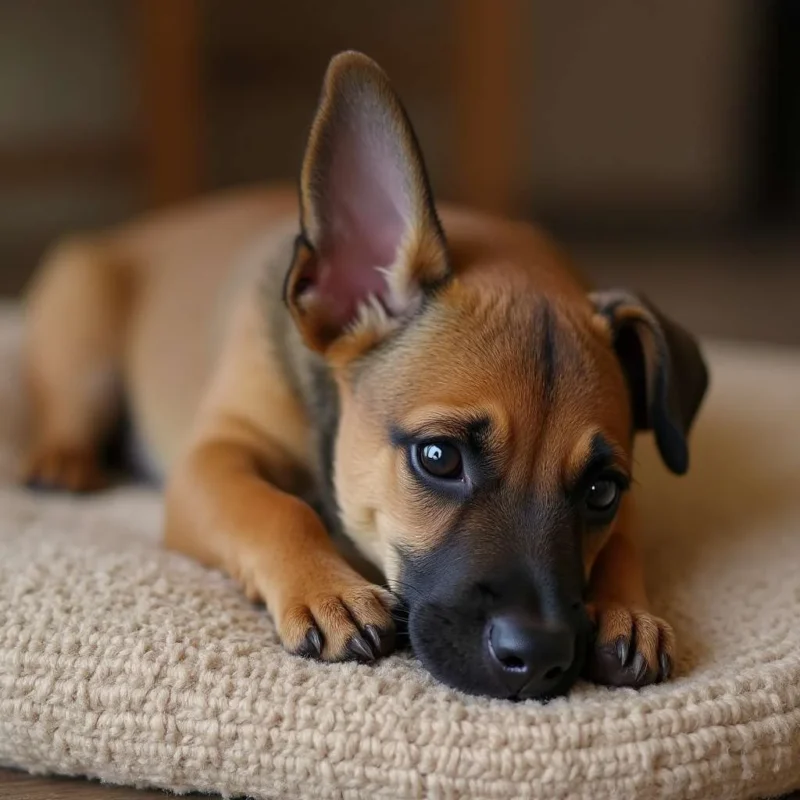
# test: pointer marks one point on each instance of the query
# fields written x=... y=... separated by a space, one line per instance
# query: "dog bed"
x=125 y=663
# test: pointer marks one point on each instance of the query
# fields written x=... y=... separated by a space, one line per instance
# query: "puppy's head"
x=487 y=404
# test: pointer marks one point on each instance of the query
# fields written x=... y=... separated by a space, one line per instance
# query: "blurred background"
x=660 y=140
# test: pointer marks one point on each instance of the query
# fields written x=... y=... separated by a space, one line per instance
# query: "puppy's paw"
x=58 y=468
x=631 y=648
x=343 y=620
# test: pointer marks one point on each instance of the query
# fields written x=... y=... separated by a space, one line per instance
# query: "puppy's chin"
x=450 y=643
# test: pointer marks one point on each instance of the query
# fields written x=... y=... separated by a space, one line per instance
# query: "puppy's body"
x=172 y=280
x=288 y=390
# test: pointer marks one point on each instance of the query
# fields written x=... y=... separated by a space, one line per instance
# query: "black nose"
x=530 y=658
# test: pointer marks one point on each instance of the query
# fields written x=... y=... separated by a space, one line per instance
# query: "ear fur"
x=666 y=373
x=371 y=243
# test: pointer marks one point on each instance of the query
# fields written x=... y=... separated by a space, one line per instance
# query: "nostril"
x=553 y=673
x=512 y=663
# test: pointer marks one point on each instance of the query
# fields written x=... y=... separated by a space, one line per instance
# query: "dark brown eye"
x=440 y=459
x=602 y=496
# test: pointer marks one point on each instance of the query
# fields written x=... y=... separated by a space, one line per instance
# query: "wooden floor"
x=19 y=786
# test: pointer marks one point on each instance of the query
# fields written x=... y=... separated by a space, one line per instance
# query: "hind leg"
x=75 y=324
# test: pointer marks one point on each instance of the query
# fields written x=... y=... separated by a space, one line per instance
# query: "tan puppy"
x=434 y=384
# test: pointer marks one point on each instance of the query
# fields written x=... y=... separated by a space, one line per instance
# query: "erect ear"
x=665 y=370
x=371 y=244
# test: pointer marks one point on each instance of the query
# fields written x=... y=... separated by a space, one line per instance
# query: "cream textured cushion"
x=123 y=662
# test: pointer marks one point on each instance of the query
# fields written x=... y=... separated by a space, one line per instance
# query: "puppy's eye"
x=602 y=497
x=440 y=459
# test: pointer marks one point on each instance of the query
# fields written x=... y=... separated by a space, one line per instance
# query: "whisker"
x=407 y=587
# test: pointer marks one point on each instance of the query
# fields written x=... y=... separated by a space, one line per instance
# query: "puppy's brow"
x=474 y=429
x=593 y=453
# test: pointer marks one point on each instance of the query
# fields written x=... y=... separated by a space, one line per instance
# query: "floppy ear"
x=665 y=370
x=371 y=243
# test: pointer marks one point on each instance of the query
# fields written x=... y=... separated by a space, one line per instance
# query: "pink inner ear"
x=365 y=214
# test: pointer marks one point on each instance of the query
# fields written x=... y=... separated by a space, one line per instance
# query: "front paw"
x=51 y=467
x=343 y=619
x=631 y=648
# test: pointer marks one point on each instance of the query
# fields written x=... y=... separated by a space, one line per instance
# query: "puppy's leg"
x=232 y=502
x=222 y=511
x=74 y=327
x=632 y=647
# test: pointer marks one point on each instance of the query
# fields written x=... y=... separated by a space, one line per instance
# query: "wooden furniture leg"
x=487 y=102
x=167 y=40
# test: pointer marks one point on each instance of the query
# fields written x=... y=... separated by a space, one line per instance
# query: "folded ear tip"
x=674 y=450
x=680 y=467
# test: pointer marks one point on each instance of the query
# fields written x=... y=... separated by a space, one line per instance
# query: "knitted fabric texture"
x=129 y=664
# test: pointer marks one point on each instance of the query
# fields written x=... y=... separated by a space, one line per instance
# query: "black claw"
x=623 y=650
x=374 y=636
x=666 y=666
x=639 y=667
x=312 y=645
x=360 y=649
x=386 y=639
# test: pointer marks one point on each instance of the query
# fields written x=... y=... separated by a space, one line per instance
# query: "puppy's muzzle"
x=507 y=624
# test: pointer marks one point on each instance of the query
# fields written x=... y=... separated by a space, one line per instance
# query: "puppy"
x=432 y=384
